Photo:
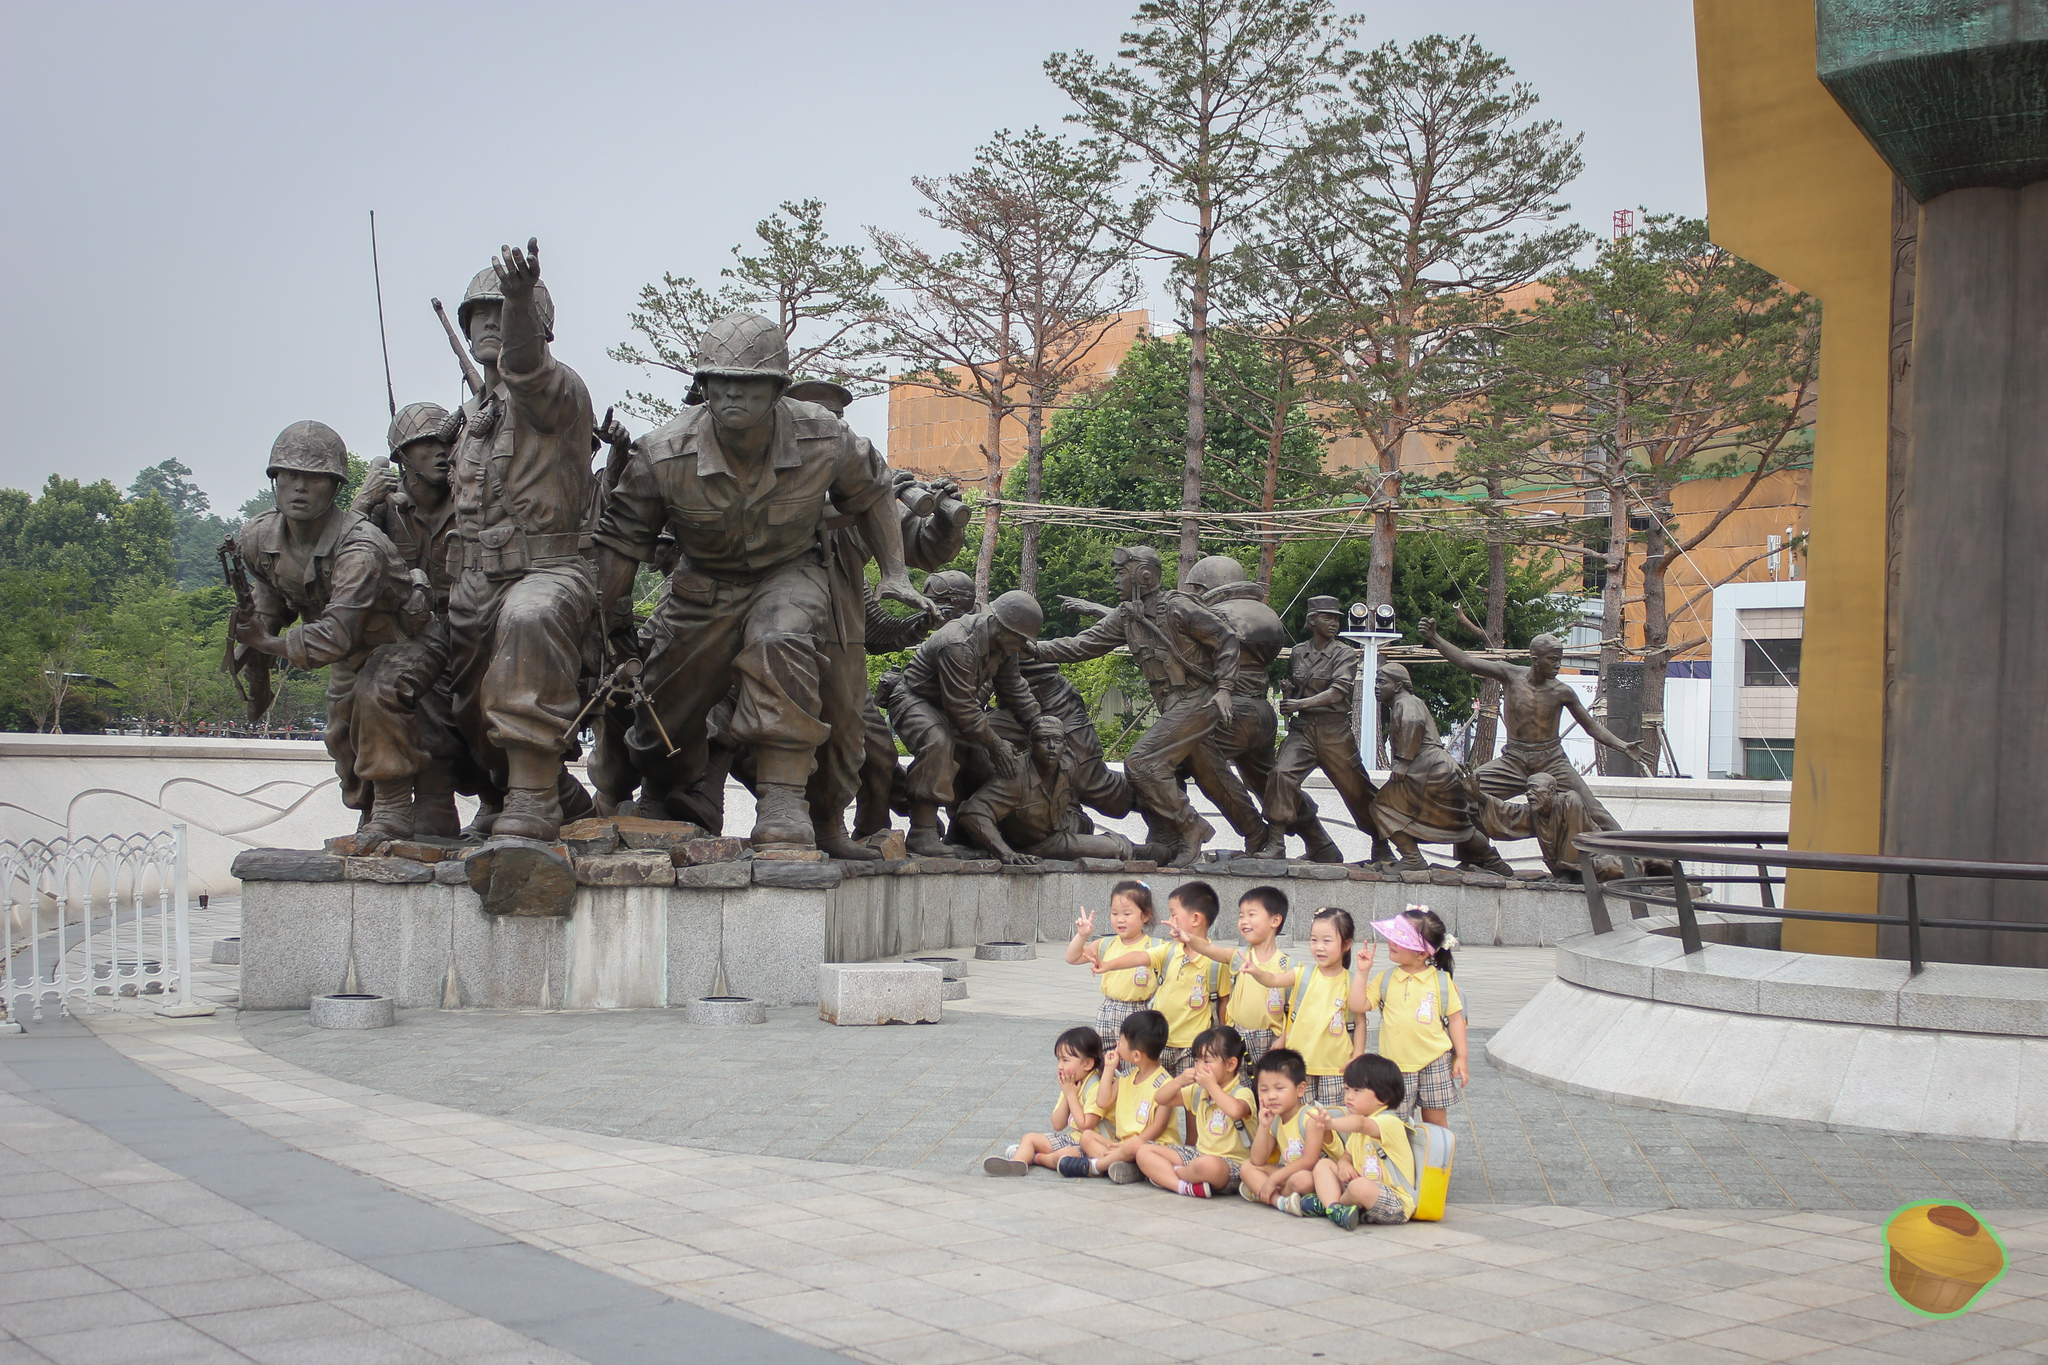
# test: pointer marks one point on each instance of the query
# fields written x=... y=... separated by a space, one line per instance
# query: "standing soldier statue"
x=1322 y=677
x=407 y=498
x=358 y=608
x=742 y=479
x=518 y=613
x=1189 y=656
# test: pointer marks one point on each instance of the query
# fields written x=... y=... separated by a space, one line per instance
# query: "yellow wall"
x=1793 y=187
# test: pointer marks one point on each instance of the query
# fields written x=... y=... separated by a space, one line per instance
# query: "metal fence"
x=1702 y=847
x=81 y=918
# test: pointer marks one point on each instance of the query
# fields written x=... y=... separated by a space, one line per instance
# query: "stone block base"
x=880 y=993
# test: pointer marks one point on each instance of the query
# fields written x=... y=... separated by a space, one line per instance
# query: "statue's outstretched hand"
x=1426 y=628
x=518 y=271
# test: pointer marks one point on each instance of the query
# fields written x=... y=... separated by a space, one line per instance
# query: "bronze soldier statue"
x=519 y=611
x=939 y=705
x=358 y=609
x=1035 y=812
x=1425 y=799
x=407 y=497
x=1189 y=656
x=743 y=479
x=1322 y=677
x=882 y=783
x=1531 y=700
x=1553 y=816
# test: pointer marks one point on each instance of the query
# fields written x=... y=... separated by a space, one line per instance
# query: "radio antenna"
x=377 y=273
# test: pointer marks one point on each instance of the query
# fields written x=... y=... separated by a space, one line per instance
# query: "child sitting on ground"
x=1318 y=1008
x=1213 y=1095
x=1422 y=1017
x=1190 y=985
x=1136 y=1100
x=1129 y=989
x=1283 y=1154
x=1371 y=1172
x=1257 y=1011
x=1077 y=1061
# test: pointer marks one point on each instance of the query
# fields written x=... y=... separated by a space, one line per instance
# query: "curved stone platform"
x=1847 y=1044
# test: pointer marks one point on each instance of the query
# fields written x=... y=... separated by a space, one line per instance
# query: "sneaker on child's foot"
x=1311 y=1207
x=1289 y=1203
x=1011 y=1150
x=996 y=1165
x=1125 y=1173
x=1196 y=1189
x=1249 y=1197
x=1076 y=1166
x=1344 y=1216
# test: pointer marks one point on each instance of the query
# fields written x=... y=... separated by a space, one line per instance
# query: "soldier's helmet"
x=1323 y=606
x=1020 y=612
x=483 y=286
x=743 y=346
x=950 y=587
x=824 y=392
x=313 y=447
x=414 y=422
x=1215 y=572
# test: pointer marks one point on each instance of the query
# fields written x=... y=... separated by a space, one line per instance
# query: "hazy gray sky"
x=186 y=186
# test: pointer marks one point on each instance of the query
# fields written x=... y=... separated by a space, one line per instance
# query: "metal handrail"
x=1711 y=846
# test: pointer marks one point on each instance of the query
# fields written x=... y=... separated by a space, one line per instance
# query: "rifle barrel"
x=470 y=374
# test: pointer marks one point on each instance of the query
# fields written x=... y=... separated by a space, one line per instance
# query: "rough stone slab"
x=982 y=867
x=1100 y=864
x=889 y=843
x=451 y=872
x=1319 y=872
x=592 y=836
x=1140 y=866
x=1490 y=880
x=1363 y=874
x=697 y=852
x=1023 y=870
x=522 y=877
x=1445 y=876
x=391 y=871
x=288 y=865
x=638 y=832
x=722 y=876
x=1058 y=865
x=647 y=868
x=810 y=876
x=774 y=853
x=866 y=993
x=1259 y=867
x=935 y=866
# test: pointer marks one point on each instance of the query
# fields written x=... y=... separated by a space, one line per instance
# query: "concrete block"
x=1975 y=999
x=1729 y=1071
x=879 y=993
x=695 y=923
x=510 y=962
x=1715 y=978
x=1671 y=1046
x=647 y=868
x=403 y=938
x=295 y=941
x=793 y=874
x=715 y=876
x=1805 y=1074
x=2030 y=1123
x=1837 y=989
x=1886 y=1084
x=618 y=946
x=287 y=865
x=774 y=940
x=1973 y=1087
x=696 y=852
x=390 y=871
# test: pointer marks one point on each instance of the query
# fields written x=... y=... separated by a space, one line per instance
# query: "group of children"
x=1323 y=1128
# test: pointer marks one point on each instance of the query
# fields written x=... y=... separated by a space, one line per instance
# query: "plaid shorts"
x=1109 y=1020
x=1257 y=1043
x=1385 y=1209
x=1184 y=1155
x=1177 y=1060
x=1429 y=1088
x=1181 y=1155
x=1326 y=1091
x=1060 y=1142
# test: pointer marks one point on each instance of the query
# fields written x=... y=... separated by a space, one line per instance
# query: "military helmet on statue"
x=414 y=422
x=1020 y=612
x=1215 y=572
x=950 y=587
x=743 y=346
x=310 y=447
x=484 y=287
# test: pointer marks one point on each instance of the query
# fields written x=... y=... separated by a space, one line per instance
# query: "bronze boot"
x=781 y=815
x=833 y=841
x=433 y=805
x=530 y=813
x=390 y=816
x=488 y=806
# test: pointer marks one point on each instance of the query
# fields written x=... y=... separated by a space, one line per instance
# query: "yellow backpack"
x=1434 y=1147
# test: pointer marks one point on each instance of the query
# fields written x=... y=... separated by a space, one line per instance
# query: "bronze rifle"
x=237 y=658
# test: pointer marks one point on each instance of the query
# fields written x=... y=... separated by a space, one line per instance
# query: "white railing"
x=95 y=917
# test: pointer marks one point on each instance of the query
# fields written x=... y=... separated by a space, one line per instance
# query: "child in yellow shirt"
x=1319 y=1023
x=1283 y=1154
x=1422 y=1017
x=1219 y=1106
x=1077 y=1061
x=1190 y=985
x=1257 y=1011
x=1129 y=989
x=1371 y=1174
x=1138 y=1100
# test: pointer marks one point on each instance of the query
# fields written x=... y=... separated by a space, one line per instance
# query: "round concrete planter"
x=952 y=968
x=228 y=951
x=354 y=1011
x=1005 y=952
x=951 y=989
x=725 y=1011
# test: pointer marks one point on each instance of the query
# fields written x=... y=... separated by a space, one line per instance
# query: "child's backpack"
x=1434 y=1147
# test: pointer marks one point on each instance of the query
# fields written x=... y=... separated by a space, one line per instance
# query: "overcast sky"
x=186 y=187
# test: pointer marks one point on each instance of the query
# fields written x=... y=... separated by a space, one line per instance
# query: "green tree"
x=199 y=532
x=1208 y=99
x=88 y=530
x=163 y=647
x=824 y=296
x=51 y=649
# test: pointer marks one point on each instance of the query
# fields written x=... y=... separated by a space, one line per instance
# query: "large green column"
x=1954 y=96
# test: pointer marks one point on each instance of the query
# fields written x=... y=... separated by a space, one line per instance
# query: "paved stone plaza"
x=495 y=1186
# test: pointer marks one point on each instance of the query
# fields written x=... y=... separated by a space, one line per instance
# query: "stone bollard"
x=354 y=1010
x=880 y=993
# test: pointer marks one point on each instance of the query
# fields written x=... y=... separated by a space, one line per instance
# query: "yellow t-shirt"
x=1089 y=1089
x=1290 y=1136
x=1370 y=1156
x=1138 y=1100
x=1324 y=1007
x=1184 y=991
x=1132 y=983
x=1216 y=1134
x=1253 y=1006
x=1412 y=1033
